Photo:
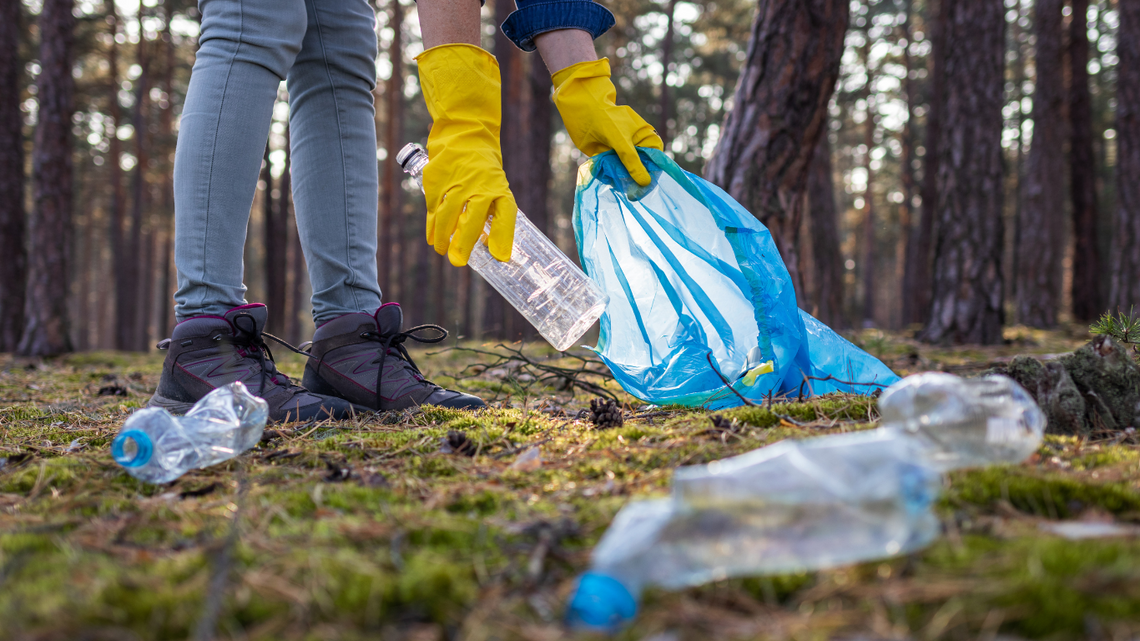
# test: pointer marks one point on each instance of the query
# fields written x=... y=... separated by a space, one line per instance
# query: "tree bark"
x=137 y=339
x=666 y=61
x=779 y=112
x=868 y=258
x=276 y=244
x=120 y=257
x=1125 y=270
x=13 y=265
x=1086 y=287
x=823 y=230
x=166 y=217
x=910 y=257
x=967 y=279
x=391 y=195
x=1041 y=229
x=45 y=309
x=921 y=258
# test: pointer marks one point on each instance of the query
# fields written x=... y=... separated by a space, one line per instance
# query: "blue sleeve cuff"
x=535 y=17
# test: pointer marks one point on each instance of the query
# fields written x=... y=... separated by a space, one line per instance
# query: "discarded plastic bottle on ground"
x=158 y=447
x=810 y=504
x=965 y=422
x=545 y=286
x=789 y=507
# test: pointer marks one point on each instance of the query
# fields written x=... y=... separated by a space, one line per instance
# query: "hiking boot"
x=207 y=352
x=351 y=352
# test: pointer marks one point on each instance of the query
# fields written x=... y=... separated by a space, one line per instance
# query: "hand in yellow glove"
x=464 y=181
x=585 y=96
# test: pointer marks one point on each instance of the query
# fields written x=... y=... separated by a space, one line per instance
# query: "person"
x=325 y=51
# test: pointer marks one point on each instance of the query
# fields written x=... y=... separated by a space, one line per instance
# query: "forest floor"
x=368 y=529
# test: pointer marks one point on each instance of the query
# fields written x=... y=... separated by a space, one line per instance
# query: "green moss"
x=1044 y=494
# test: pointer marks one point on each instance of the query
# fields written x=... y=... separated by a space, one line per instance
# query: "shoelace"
x=396 y=340
x=254 y=338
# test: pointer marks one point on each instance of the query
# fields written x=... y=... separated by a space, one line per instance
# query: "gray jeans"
x=326 y=51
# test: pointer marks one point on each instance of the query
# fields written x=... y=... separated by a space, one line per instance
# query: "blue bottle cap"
x=601 y=602
x=143 y=448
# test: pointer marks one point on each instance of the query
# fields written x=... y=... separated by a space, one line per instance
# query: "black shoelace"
x=253 y=338
x=396 y=340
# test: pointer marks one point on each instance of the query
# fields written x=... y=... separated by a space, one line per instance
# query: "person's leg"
x=333 y=135
x=245 y=50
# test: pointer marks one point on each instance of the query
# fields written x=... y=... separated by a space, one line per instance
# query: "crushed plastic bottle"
x=793 y=506
x=809 y=504
x=545 y=286
x=157 y=447
x=965 y=422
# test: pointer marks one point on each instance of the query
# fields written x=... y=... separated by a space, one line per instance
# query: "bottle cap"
x=406 y=154
x=132 y=448
x=600 y=602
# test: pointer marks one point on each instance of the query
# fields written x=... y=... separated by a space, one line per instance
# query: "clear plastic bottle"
x=540 y=281
x=792 y=506
x=965 y=422
x=156 y=447
x=810 y=504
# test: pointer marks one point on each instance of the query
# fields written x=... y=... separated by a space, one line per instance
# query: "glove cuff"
x=599 y=68
x=460 y=79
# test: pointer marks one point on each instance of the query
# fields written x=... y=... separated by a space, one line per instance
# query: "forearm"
x=564 y=47
x=449 y=21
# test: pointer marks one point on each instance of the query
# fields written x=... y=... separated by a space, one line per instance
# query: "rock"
x=1109 y=380
x=1054 y=390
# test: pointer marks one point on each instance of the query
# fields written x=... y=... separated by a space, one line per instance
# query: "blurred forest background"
x=944 y=167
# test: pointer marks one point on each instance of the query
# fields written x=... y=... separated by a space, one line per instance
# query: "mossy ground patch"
x=414 y=543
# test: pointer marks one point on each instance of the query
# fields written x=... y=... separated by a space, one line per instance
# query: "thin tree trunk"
x=666 y=62
x=779 y=112
x=146 y=300
x=141 y=121
x=167 y=141
x=907 y=233
x=923 y=241
x=1086 y=290
x=13 y=265
x=45 y=308
x=294 y=260
x=1040 y=244
x=275 y=239
x=967 y=283
x=823 y=229
x=1125 y=270
x=391 y=195
x=120 y=257
x=868 y=259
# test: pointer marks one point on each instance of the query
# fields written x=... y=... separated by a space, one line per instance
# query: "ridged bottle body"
x=541 y=282
x=157 y=447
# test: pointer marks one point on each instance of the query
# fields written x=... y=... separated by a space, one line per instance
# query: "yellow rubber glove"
x=585 y=96
x=464 y=181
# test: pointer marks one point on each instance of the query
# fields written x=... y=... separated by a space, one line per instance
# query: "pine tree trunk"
x=868 y=259
x=779 y=112
x=908 y=312
x=666 y=61
x=391 y=195
x=1086 y=290
x=141 y=121
x=823 y=228
x=120 y=257
x=1040 y=244
x=45 y=309
x=166 y=218
x=920 y=259
x=967 y=279
x=13 y=268
x=276 y=239
x=1125 y=270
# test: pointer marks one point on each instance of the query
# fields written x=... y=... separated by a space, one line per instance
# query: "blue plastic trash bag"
x=699 y=295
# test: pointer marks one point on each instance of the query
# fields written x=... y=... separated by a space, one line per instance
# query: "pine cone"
x=457 y=443
x=605 y=413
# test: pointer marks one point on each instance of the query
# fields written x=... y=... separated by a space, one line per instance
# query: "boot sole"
x=169 y=404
